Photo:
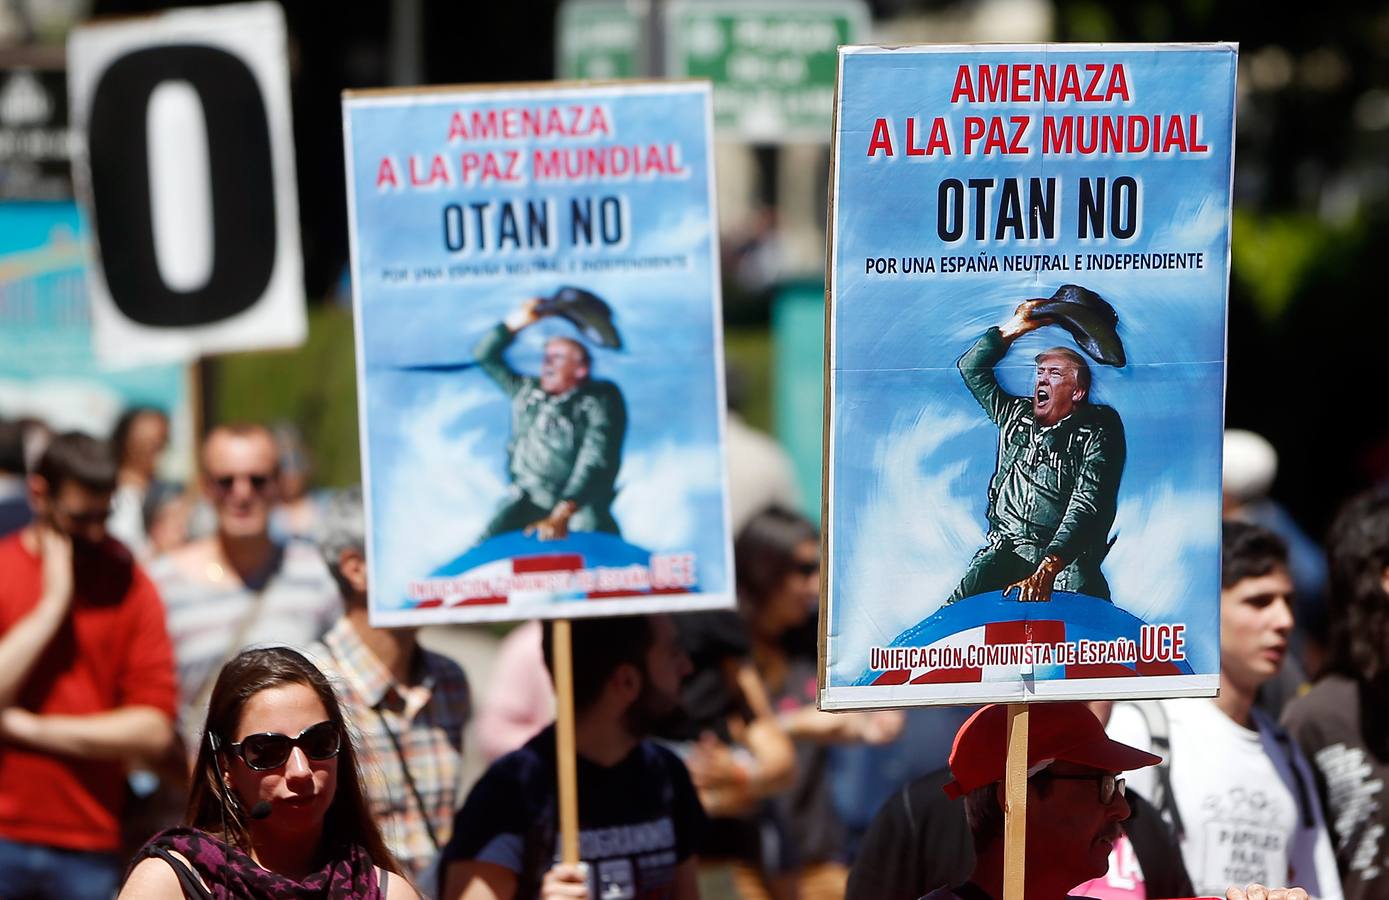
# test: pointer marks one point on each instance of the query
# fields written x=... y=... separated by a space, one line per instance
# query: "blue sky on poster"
x=437 y=442
x=913 y=451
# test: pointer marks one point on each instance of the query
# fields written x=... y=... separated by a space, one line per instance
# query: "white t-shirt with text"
x=1238 y=798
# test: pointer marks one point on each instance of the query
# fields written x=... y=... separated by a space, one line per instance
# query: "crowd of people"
x=194 y=703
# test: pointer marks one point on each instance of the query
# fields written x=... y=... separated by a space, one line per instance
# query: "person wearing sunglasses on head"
x=239 y=587
x=277 y=807
x=86 y=680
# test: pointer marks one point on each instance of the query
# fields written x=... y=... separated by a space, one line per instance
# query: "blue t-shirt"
x=637 y=820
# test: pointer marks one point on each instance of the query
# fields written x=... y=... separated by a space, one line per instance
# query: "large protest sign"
x=1026 y=372
x=539 y=358
x=185 y=164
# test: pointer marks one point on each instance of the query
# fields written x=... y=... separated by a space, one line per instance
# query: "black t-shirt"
x=813 y=829
x=920 y=841
x=1344 y=731
x=637 y=820
x=712 y=639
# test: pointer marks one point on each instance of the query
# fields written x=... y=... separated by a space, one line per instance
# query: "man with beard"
x=639 y=816
x=1054 y=493
x=86 y=680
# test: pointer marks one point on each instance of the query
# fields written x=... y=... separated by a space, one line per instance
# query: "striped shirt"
x=300 y=601
x=417 y=727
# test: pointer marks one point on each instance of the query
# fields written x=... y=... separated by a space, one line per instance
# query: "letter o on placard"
x=950 y=207
x=240 y=168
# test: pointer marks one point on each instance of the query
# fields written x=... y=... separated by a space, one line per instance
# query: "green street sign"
x=600 y=39
x=773 y=64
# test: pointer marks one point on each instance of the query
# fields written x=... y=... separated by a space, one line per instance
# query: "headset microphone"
x=261 y=810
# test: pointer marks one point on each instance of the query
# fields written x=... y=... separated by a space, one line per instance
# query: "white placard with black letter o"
x=185 y=164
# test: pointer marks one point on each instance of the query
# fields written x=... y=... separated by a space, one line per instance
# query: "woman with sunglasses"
x=777 y=558
x=277 y=808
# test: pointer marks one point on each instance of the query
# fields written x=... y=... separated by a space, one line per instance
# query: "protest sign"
x=1005 y=520
x=185 y=164
x=536 y=288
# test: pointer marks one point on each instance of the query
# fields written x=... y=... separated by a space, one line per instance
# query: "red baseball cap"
x=1055 y=731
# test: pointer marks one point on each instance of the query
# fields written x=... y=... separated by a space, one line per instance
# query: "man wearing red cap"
x=1075 y=801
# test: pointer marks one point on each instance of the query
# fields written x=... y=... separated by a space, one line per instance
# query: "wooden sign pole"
x=1015 y=804
x=565 y=751
x=198 y=384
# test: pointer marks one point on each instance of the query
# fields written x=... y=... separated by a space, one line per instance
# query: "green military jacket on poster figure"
x=1055 y=491
x=562 y=447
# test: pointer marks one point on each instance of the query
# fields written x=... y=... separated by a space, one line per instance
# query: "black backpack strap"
x=1285 y=741
x=1160 y=737
x=187 y=878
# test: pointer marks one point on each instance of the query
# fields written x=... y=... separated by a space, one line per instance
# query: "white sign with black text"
x=185 y=167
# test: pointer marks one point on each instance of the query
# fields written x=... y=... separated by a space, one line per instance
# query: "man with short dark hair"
x=566 y=435
x=86 y=681
x=639 y=816
x=1055 y=490
x=1342 y=723
x=1241 y=794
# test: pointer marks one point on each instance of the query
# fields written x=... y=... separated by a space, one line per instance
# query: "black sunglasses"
x=1110 y=785
x=91 y=517
x=270 y=749
x=225 y=483
x=806 y=568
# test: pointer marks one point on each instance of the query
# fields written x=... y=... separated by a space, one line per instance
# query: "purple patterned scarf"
x=230 y=874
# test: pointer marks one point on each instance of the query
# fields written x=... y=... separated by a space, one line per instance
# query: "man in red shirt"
x=86 y=681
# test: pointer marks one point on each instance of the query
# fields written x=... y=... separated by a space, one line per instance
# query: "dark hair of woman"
x=765 y=551
x=1358 y=552
x=120 y=433
x=215 y=809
